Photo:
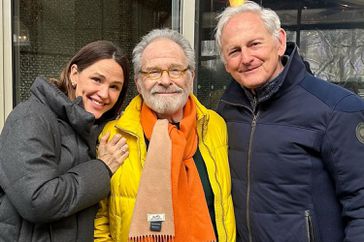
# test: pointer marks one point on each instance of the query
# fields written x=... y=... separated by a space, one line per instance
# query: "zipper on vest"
x=252 y=131
x=309 y=227
x=221 y=200
x=255 y=114
x=218 y=184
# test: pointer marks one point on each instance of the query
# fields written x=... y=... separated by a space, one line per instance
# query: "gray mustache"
x=166 y=90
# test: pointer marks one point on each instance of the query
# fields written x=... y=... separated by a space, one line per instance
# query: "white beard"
x=165 y=105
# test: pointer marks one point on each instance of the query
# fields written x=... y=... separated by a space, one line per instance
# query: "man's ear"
x=226 y=68
x=282 y=42
x=137 y=84
x=193 y=74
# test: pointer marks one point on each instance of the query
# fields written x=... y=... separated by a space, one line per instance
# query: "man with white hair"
x=296 y=143
x=180 y=189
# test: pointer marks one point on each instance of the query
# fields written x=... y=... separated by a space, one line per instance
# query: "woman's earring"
x=73 y=84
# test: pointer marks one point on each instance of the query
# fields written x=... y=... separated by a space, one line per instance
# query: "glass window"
x=336 y=55
x=211 y=76
x=330 y=35
x=47 y=33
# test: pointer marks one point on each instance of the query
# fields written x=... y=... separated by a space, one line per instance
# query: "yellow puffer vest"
x=114 y=216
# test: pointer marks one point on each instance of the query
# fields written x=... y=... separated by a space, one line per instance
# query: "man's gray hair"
x=269 y=17
x=166 y=34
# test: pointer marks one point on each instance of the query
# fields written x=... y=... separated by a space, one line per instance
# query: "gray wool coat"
x=50 y=181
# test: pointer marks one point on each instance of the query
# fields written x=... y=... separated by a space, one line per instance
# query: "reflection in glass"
x=336 y=55
x=47 y=33
x=208 y=48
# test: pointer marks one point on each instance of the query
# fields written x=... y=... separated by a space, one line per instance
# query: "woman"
x=50 y=178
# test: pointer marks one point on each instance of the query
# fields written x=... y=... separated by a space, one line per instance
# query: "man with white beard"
x=175 y=185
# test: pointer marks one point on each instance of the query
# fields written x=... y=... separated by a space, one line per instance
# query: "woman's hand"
x=113 y=152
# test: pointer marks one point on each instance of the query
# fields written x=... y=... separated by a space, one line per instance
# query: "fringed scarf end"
x=153 y=238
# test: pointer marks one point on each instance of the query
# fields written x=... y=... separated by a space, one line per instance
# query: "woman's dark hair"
x=88 y=55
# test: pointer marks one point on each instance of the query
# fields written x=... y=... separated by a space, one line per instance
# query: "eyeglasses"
x=156 y=74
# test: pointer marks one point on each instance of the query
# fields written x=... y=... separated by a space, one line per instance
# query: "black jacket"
x=296 y=154
x=50 y=179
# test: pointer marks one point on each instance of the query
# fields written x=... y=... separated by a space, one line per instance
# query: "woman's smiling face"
x=99 y=85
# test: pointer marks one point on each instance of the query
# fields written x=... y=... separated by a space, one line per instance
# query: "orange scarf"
x=192 y=221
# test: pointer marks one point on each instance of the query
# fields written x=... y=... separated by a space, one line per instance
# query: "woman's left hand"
x=113 y=152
